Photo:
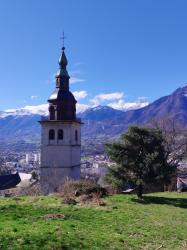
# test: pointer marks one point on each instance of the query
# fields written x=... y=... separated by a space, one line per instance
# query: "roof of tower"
x=63 y=62
x=62 y=72
x=61 y=95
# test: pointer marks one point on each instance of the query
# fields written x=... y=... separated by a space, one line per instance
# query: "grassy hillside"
x=46 y=223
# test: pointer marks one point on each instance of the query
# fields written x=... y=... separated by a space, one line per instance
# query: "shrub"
x=32 y=190
x=73 y=190
x=69 y=201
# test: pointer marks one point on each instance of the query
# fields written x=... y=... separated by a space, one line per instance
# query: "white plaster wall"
x=66 y=152
x=60 y=155
x=69 y=132
x=59 y=159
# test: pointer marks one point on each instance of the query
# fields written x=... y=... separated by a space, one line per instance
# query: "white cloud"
x=122 y=105
x=27 y=110
x=75 y=76
x=34 y=97
x=142 y=99
x=98 y=99
x=81 y=107
x=114 y=100
x=80 y=94
x=38 y=109
x=74 y=79
x=77 y=64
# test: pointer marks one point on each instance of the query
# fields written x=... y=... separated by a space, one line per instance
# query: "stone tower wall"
x=60 y=159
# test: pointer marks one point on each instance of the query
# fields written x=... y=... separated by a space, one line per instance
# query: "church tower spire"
x=62 y=77
x=60 y=135
x=62 y=103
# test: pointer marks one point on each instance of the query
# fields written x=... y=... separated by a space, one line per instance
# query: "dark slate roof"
x=62 y=95
x=9 y=181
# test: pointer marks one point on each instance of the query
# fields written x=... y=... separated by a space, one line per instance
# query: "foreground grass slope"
x=46 y=223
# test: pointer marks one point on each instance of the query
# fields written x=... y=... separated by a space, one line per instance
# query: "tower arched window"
x=76 y=135
x=60 y=134
x=51 y=134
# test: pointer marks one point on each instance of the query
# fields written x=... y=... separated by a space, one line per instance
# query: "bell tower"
x=61 y=135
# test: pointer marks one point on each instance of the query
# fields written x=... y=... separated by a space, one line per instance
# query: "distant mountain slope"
x=20 y=127
x=98 y=121
x=102 y=120
x=173 y=106
x=100 y=113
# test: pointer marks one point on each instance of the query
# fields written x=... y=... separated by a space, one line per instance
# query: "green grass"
x=122 y=224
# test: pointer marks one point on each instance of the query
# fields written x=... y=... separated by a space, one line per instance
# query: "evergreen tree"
x=140 y=158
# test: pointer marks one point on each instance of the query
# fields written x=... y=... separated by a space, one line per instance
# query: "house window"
x=60 y=134
x=76 y=135
x=51 y=134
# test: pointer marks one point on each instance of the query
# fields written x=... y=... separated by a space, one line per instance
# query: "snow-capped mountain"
x=98 y=121
x=43 y=108
x=27 y=110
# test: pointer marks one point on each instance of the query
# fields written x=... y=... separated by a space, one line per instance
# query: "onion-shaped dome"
x=63 y=62
x=59 y=95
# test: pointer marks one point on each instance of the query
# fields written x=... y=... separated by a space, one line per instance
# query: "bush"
x=69 y=201
x=88 y=187
x=32 y=190
x=72 y=190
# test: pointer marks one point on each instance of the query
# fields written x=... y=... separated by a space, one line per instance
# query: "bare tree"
x=175 y=138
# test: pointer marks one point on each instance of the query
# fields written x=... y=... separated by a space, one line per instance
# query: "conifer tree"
x=140 y=158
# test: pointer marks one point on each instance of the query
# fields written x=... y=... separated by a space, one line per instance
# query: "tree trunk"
x=140 y=191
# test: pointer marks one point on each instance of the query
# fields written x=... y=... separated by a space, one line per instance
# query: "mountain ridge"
x=103 y=120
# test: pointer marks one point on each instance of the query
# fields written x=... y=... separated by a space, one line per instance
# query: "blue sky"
x=125 y=48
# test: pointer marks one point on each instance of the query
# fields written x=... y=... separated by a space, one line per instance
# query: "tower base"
x=53 y=178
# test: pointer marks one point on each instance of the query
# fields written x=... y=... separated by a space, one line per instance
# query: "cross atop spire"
x=62 y=77
x=63 y=40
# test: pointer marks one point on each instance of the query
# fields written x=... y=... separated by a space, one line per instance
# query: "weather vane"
x=63 y=39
